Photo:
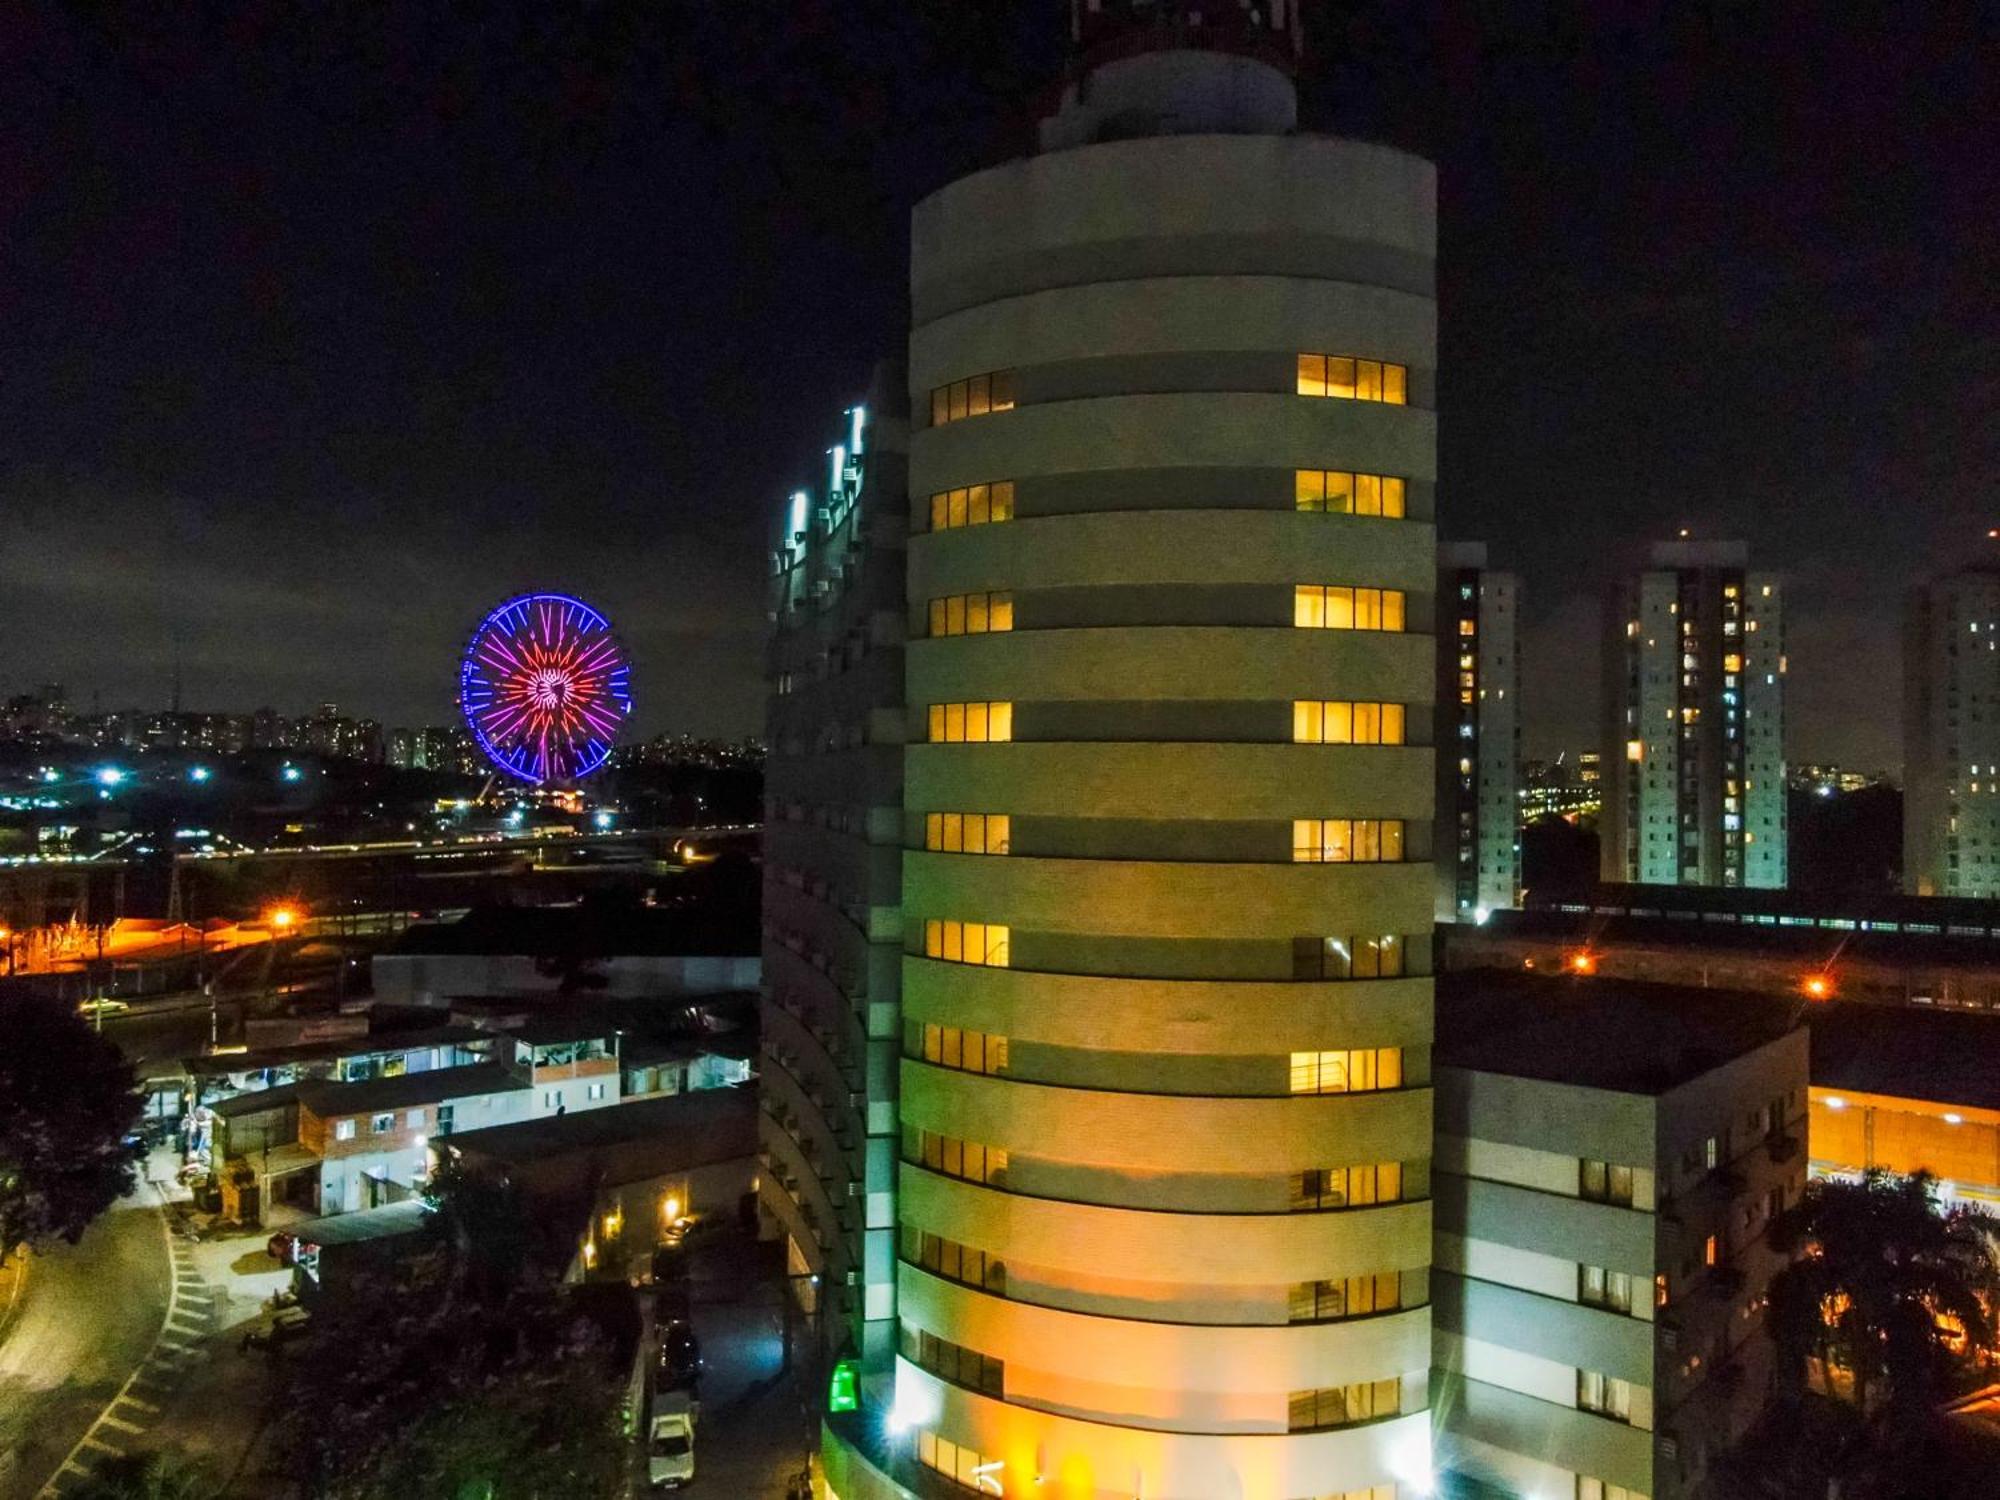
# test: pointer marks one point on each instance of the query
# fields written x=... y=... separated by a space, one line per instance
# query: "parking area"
x=757 y=1423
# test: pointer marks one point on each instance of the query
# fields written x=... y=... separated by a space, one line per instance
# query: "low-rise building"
x=1609 y=1158
x=1909 y=1091
x=373 y=1139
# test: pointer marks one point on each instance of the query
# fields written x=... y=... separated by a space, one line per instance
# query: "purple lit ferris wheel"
x=544 y=686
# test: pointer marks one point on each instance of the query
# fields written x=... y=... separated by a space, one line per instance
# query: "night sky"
x=319 y=334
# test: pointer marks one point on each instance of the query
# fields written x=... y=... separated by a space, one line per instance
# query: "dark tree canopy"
x=67 y=1101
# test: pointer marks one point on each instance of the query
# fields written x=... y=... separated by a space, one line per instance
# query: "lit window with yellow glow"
x=1361 y=1186
x=972 y=614
x=1359 y=1070
x=973 y=397
x=1350 y=1297
x=960 y=1464
x=955 y=1047
x=1361 y=956
x=967 y=833
x=967 y=1160
x=1347 y=378
x=1344 y=1405
x=953 y=1261
x=1588 y=1488
x=970 y=723
x=1317 y=722
x=1337 y=492
x=1340 y=841
x=954 y=1362
x=975 y=505
x=982 y=943
x=1340 y=607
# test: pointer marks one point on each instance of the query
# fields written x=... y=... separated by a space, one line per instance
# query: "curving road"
x=87 y=1317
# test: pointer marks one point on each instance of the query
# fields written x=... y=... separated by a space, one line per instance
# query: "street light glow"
x=109 y=776
x=283 y=918
x=200 y=773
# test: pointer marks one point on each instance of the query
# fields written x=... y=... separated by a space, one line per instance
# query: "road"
x=86 y=1319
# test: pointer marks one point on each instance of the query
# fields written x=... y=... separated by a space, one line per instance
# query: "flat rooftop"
x=1597 y=1032
x=433 y=1086
x=681 y=1130
x=584 y=933
x=1908 y=1052
x=333 y=1051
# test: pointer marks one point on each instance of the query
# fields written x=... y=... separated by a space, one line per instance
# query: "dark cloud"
x=322 y=334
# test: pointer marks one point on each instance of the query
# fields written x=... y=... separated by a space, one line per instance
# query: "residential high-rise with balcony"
x=1165 y=1116
x=832 y=879
x=1479 y=751
x=1951 y=736
x=1694 y=754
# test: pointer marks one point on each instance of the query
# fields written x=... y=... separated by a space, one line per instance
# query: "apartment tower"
x=832 y=880
x=1167 y=894
x=1479 y=766
x=1694 y=754
x=1951 y=736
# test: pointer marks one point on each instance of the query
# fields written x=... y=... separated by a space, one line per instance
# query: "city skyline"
x=522 y=392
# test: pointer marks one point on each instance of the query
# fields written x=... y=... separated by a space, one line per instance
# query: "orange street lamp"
x=1583 y=963
x=283 y=919
x=1818 y=987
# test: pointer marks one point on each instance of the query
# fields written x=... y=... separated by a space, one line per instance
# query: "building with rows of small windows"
x=1951 y=736
x=1479 y=756
x=1162 y=1106
x=1694 y=748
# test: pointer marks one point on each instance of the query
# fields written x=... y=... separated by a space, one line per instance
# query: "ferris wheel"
x=545 y=687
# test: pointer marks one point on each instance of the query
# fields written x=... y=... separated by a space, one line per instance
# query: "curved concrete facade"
x=1143 y=1205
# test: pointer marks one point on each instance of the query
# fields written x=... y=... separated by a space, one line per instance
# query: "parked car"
x=102 y=1005
x=283 y=1247
x=670 y=1453
x=680 y=1356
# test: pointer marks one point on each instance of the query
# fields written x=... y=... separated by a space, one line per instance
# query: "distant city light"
x=602 y=820
x=1834 y=1101
x=1583 y=963
x=283 y=919
x=1481 y=915
x=514 y=818
x=1818 y=986
x=292 y=773
x=200 y=773
x=110 y=776
x=1954 y=1119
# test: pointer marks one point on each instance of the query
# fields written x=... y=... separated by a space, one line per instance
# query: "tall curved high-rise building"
x=1163 y=1226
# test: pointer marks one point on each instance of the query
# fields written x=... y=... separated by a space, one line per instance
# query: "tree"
x=464 y=1370
x=1887 y=1288
x=68 y=1099
x=146 y=1476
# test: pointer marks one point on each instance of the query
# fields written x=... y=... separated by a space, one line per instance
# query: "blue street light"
x=109 y=776
x=200 y=773
x=292 y=773
x=601 y=820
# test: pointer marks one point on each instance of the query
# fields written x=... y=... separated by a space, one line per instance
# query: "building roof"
x=632 y=1141
x=551 y=1026
x=1620 y=1035
x=1908 y=1052
x=432 y=1086
x=256 y=1101
x=386 y=1222
x=334 y=1050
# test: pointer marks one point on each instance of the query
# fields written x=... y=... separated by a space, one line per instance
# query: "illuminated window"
x=967 y=833
x=1350 y=379
x=344 y=1130
x=967 y=1160
x=1323 y=723
x=1363 y=956
x=966 y=943
x=1339 y=607
x=953 y=1362
x=1605 y=1395
x=1347 y=1187
x=1635 y=750
x=972 y=397
x=960 y=1464
x=1344 y=1405
x=1336 y=492
x=1599 y=1287
x=954 y=1047
x=953 y=1261
x=975 y=505
x=1599 y=1489
x=1711 y=1251
x=1356 y=1071
x=1347 y=840
x=382 y=1124
x=972 y=614
x=1352 y=1297
x=970 y=723
x=1468 y=627
x=1604 y=1182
